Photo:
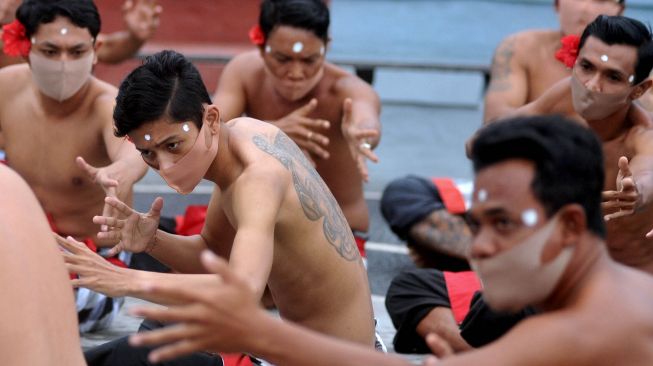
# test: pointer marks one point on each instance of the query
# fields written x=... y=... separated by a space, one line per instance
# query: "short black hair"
x=166 y=85
x=626 y=31
x=568 y=161
x=310 y=15
x=83 y=13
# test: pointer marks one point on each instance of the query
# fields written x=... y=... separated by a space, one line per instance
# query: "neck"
x=612 y=126
x=53 y=107
x=589 y=258
x=223 y=168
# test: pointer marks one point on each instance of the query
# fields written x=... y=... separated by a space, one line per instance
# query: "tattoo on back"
x=316 y=199
x=501 y=66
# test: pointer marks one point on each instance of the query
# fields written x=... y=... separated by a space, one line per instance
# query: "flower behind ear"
x=15 y=40
x=256 y=35
x=568 y=53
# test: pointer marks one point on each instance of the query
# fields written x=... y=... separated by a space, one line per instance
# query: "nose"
x=482 y=246
x=295 y=72
x=594 y=83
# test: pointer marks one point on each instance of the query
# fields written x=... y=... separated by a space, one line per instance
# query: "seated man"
x=37 y=312
x=332 y=115
x=615 y=58
x=270 y=214
x=531 y=246
x=528 y=63
x=141 y=19
x=54 y=112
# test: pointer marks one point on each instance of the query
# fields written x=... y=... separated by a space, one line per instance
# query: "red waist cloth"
x=89 y=243
x=461 y=287
x=360 y=243
x=451 y=197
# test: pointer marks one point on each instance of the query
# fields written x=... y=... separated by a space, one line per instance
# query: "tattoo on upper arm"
x=501 y=69
x=315 y=197
x=443 y=232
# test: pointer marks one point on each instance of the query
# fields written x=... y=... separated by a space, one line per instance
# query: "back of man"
x=317 y=277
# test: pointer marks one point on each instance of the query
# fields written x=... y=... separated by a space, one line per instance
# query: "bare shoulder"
x=13 y=79
x=347 y=84
x=103 y=96
x=246 y=63
x=640 y=135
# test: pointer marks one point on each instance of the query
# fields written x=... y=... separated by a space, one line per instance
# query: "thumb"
x=157 y=205
x=82 y=164
x=217 y=265
x=624 y=166
x=627 y=184
x=308 y=108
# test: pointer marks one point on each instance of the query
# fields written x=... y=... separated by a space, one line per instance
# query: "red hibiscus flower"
x=568 y=53
x=14 y=39
x=256 y=35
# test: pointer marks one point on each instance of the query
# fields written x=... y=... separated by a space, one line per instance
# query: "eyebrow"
x=609 y=69
x=52 y=45
x=172 y=137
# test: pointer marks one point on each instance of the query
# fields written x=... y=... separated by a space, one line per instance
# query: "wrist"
x=152 y=244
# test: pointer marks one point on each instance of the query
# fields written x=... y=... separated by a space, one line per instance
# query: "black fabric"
x=483 y=325
x=411 y=296
x=408 y=200
x=415 y=292
x=119 y=353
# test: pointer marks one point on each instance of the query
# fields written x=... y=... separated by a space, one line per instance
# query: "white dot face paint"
x=605 y=58
x=631 y=78
x=185 y=127
x=63 y=31
x=268 y=49
x=529 y=217
x=297 y=47
x=482 y=195
x=322 y=50
x=148 y=137
x=33 y=40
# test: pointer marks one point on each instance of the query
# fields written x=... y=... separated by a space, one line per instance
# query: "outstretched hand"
x=141 y=18
x=93 y=271
x=358 y=140
x=626 y=198
x=218 y=318
x=136 y=233
x=301 y=129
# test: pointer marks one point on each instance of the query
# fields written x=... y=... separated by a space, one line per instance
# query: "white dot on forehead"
x=297 y=47
x=185 y=127
x=529 y=217
x=482 y=195
x=147 y=137
x=604 y=58
x=63 y=31
x=268 y=49
x=631 y=78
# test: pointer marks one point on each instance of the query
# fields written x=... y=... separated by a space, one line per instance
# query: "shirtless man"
x=270 y=214
x=51 y=118
x=331 y=115
x=531 y=246
x=39 y=325
x=524 y=64
x=606 y=79
x=141 y=21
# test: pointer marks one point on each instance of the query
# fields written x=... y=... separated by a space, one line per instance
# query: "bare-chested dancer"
x=270 y=214
x=56 y=119
x=332 y=115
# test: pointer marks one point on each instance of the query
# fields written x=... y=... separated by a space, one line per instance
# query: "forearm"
x=284 y=343
x=132 y=165
x=118 y=47
x=138 y=283
x=181 y=253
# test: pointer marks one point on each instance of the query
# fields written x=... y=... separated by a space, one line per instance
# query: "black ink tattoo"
x=315 y=197
x=442 y=232
x=501 y=66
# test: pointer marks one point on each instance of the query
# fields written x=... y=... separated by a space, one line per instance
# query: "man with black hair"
x=332 y=115
x=531 y=246
x=615 y=58
x=56 y=121
x=270 y=214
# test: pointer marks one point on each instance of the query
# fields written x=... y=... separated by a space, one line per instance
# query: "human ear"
x=641 y=89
